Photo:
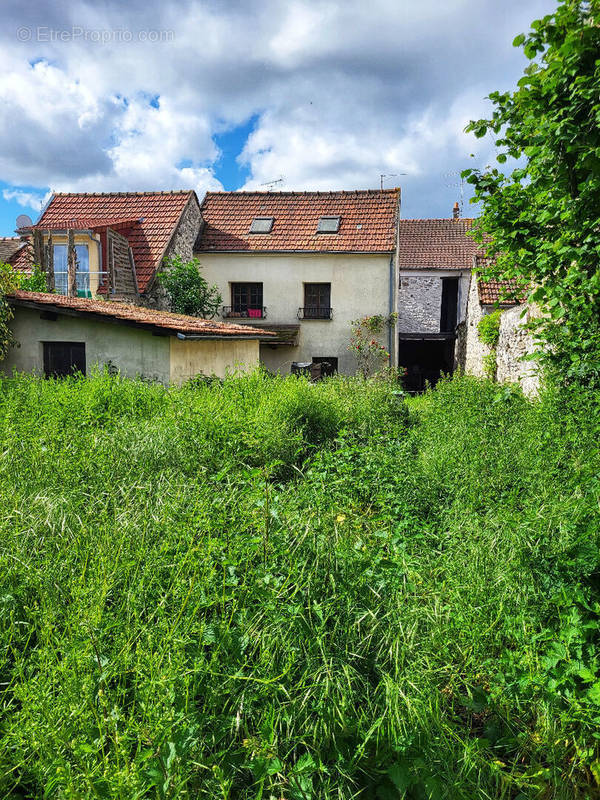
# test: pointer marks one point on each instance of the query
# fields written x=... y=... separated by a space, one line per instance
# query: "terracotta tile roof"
x=16 y=252
x=163 y=320
x=85 y=223
x=367 y=221
x=436 y=244
x=159 y=213
x=496 y=292
x=8 y=247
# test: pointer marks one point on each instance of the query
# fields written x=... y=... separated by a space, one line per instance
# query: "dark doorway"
x=329 y=365
x=63 y=358
x=449 y=312
x=425 y=360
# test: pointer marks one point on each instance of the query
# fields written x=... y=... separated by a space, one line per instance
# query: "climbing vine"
x=488 y=330
x=9 y=283
x=368 y=350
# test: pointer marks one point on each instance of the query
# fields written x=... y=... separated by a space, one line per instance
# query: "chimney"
x=455 y=211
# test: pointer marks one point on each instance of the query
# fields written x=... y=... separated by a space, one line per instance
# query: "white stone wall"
x=514 y=343
x=474 y=350
x=420 y=299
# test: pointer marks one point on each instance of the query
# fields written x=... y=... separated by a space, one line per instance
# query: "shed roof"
x=367 y=221
x=136 y=315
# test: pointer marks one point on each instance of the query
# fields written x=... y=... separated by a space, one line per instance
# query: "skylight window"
x=261 y=225
x=328 y=225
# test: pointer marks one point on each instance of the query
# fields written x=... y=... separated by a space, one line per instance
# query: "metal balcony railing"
x=315 y=312
x=258 y=312
x=83 y=281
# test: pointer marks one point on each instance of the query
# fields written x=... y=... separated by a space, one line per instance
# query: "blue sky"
x=208 y=95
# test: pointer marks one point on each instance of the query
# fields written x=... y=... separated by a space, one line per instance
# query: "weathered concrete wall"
x=514 y=343
x=131 y=350
x=211 y=357
x=420 y=299
x=360 y=285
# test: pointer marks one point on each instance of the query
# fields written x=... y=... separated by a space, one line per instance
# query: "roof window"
x=261 y=225
x=328 y=225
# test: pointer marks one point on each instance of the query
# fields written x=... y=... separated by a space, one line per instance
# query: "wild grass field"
x=271 y=589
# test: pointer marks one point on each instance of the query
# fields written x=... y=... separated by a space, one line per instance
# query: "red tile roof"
x=497 y=292
x=19 y=254
x=436 y=244
x=8 y=247
x=146 y=317
x=367 y=221
x=159 y=213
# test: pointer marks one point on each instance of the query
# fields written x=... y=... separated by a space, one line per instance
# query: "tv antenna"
x=456 y=184
x=383 y=176
x=270 y=184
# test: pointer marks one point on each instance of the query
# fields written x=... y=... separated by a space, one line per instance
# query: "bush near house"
x=188 y=291
x=270 y=589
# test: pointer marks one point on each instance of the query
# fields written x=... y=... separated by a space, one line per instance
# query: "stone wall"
x=419 y=304
x=514 y=343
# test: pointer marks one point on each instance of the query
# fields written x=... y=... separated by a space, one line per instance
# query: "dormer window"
x=328 y=225
x=261 y=225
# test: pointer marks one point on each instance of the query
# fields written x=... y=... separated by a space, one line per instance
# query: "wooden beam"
x=50 y=285
x=71 y=265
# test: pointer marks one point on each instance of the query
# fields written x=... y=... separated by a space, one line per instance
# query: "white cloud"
x=27 y=199
x=343 y=91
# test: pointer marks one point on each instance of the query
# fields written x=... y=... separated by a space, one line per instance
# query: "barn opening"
x=425 y=359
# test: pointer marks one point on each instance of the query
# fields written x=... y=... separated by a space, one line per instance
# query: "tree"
x=365 y=344
x=543 y=217
x=188 y=291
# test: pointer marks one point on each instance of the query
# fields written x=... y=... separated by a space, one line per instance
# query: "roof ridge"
x=293 y=193
x=438 y=219
x=123 y=194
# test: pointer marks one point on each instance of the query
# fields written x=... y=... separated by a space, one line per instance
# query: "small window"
x=261 y=225
x=246 y=301
x=317 y=301
x=61 y=269
x=63 y=358
x=328 y=225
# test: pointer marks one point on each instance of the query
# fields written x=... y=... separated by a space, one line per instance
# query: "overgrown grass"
x=271 y=589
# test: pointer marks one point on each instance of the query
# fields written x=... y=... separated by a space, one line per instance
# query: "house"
x=435 y=259
x=58 y=335
x=110 y=244
x=303 y=264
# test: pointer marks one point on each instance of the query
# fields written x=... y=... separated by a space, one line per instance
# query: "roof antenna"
x=383 y=176
x=270 y=184
x=454 y=173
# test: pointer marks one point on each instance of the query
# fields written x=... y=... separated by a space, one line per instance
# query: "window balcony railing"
x=83 y=281
x=315 y=312
x=244 y=313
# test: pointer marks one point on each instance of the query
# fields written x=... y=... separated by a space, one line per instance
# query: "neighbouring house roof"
x=135 y=315
x=147 y=219
x=8 y=247
x=367 y=221
x=497 y=292
x=436 y=244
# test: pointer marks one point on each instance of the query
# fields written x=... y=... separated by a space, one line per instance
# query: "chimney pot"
x=455 y=211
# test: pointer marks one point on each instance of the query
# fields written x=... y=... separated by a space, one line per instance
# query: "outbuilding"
x=58 y=335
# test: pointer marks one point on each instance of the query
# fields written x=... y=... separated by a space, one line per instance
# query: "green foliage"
x=262 y=587
x=488 y=328
x=365 y=342
x=32 y=282
x=543 y=215
x=188 y=291
x=8 y=284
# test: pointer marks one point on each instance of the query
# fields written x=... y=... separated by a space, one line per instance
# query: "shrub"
x=188 y=291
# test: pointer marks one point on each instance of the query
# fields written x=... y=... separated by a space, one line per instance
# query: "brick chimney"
x=455 y=211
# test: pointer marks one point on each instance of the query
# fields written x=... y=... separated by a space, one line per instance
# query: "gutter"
x=196 y=337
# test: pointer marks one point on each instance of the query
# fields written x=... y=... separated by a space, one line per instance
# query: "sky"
x=271 y=94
